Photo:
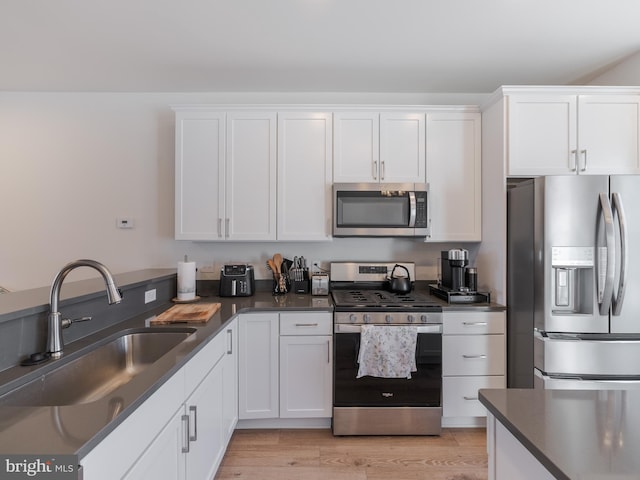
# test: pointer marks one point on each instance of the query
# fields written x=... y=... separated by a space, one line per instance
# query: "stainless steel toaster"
x=237 y=280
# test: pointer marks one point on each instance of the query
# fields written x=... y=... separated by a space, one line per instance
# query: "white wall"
x=627 y=72
x=71 y=163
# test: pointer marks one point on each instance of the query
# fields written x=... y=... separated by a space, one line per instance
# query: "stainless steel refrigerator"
x=573 y=282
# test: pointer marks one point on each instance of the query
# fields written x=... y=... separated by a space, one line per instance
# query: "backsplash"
x=20 y=336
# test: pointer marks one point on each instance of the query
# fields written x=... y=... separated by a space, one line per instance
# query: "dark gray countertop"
x=36 y=430
x=575 y=434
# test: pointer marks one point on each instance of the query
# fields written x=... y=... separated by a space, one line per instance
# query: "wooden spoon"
x=272 y=266
x=277 y=260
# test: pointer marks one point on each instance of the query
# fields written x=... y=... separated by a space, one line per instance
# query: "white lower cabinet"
x=285 y=365
x=473 y=347
x=306 y=365
x=258 y=366
x=182 y=430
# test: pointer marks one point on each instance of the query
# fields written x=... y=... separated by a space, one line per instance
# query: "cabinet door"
x=402 y=147
x=608 y=134
x=304 y=176
x=356 y=152
x=258 y=366
x=305 y=376
x=230 y=382
x=251 y=176
x=199 y=172
x=454 y=176
x=206 y=437
x=542 y=136
x=164 y=458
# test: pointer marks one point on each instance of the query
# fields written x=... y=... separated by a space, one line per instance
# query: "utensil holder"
x=281 y=283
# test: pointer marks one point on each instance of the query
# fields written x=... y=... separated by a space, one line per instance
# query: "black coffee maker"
x=453 y=264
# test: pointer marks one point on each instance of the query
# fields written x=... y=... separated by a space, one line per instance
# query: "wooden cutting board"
x=198 y=313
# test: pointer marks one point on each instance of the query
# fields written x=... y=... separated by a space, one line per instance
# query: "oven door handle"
x=432 y=328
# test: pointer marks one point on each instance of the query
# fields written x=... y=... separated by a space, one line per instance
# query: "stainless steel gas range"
x=380 y=403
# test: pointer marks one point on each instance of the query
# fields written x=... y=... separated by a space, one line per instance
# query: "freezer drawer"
x=587 y=357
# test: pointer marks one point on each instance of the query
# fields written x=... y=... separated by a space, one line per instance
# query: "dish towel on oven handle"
x=387 y=351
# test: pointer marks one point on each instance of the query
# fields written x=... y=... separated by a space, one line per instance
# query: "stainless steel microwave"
x=380 y=209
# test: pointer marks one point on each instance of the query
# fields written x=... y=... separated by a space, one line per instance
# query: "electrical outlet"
x=150 y=295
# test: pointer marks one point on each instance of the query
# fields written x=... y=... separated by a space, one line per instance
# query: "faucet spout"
x=54 y=340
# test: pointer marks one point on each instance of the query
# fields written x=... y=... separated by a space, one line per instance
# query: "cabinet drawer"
x=473 y=355
x=306 y=323
x=466 y=323
x=460 y=395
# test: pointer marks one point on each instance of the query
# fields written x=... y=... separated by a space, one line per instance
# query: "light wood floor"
x=458 y=454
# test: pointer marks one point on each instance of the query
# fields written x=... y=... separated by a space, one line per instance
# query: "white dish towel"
x=387 y=351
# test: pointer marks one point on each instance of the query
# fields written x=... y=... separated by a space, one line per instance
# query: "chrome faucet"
x=56 y=322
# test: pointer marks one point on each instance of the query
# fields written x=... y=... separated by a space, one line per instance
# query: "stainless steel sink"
x=99 y=371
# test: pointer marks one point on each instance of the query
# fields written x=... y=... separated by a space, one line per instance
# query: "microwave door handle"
x=412 y=209
x=604 y=296
x=618 y=298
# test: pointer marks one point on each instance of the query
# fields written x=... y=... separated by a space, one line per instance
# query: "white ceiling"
x=310 y=45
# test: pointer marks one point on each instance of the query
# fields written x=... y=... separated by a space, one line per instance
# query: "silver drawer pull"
x=306 y=324
x=470 y=398
x=474 y=356
x=474 y=324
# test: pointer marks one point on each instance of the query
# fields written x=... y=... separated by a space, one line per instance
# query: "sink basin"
x=100 y=371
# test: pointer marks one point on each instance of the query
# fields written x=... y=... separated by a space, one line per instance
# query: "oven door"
x=423 y=389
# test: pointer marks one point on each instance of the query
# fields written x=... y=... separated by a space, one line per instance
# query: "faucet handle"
x=66 y=322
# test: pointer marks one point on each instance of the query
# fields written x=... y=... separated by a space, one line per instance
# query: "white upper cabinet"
x=225 y=175
x=402 y=147
x=556 y=134
x=251 y=176
x=379 y=147
x=199 y=173
x=454 y=176
x=304 y=176
x=356 y=153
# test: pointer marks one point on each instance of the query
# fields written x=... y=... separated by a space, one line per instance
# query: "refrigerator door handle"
x=606 y=293
x=618 y=298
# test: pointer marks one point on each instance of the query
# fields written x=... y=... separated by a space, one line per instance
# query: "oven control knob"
x=353 y=318
x=423 y=318
x=367 y=318
x=388 y=318
x=411 y=319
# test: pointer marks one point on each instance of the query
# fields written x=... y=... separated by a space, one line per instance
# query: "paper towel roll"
x=186 y=280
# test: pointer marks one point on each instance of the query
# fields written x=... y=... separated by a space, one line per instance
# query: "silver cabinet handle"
x=482 y=356
x=375 y=170
x=328 y=351
x=219 y=228
x=470 y=398
x=474 y=324
x=306 y=324
x=618 y=299
x=573 y=160
x=230 y=340
x=185 y=431
x=194 y=409
x=584 y=160
x=382 y=170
